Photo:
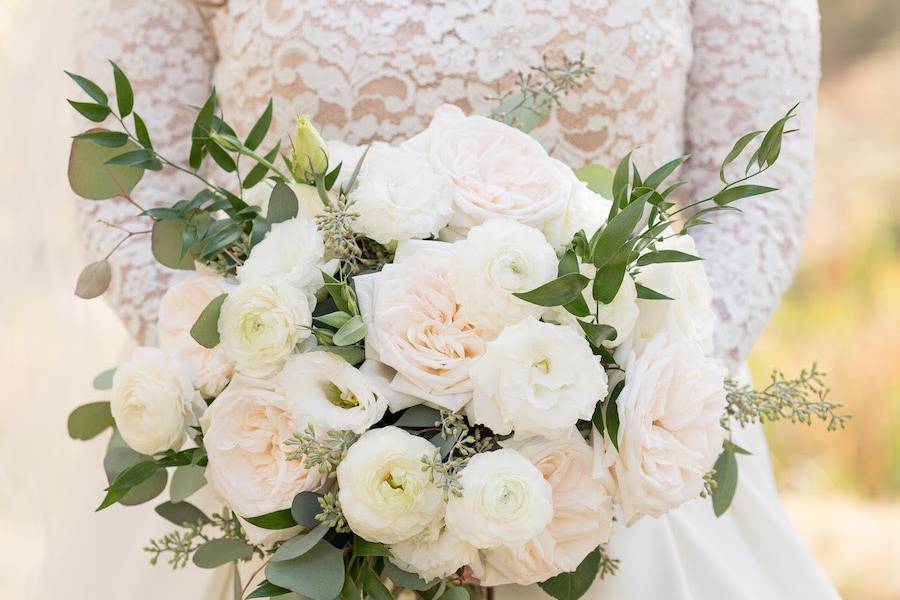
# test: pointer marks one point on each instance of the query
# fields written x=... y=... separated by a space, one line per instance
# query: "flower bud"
x=310 y=152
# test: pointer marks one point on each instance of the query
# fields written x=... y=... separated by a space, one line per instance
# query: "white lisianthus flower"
x=505 y=501
x=178 y=311
x=245 y=433
x=582 y=518
x=496 y=170
x=434 y=553
x=536 y=379
x=669 y=431
x=384 y=493
x=500 y=258
x=420 y=347
x=330 y=392
x=308 y=200
x=260 y=325
x=399 y=197
x=621 y=314
x=293 y=251
x=585 y=211
x=153 y=400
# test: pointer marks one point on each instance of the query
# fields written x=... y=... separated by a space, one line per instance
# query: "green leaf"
x=283 y=204
x=404 y=579
x=656 y=178
x=352 y=354
x=335 y=319
x=561 y=290
x=258 y=172
x=729 y=195
x=418 y=417
x=201 y=130
x=572 y=586
x=165 y=243
x=597 y=334
x=729 y=445
x=104 y=380
x=620 y=184
x=147 y=490
x=90 y=420
x=124 y=93
x=331 y=177
x=140 y=130
x=363 y=547
x=350 y=332
x=94 y=279
x=350 y=591
x=260 y=129
x=91 y=178
x=205 y=330
x=611 y=417
x=568 y=263
x=608 y=279
x=598 y=178
x=611 y=239
x=736 y=150
x=109 y=139
x=221 y=156
x=373 y=586
x=186 y=480
x=267 y=589
x=725 y=476
x=128 y=479
x=222 y=551
x=455 y=592
x=280 y=519
x=140 y=158
x=665 y=256
x=182 y=514
x=300 y=544
x=340 y=292
x=304 y=509
x=524 y=111
x=645 y=293
x=318 y=574
x=91 y=89
x=90 y=111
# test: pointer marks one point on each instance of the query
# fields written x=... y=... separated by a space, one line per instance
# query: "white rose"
x=330 y=392
x=435 y=553
x=399 y=197
x=498 y=259
x=152 y=401
x=536 y=379
x=496 y=170
x=621 y=314
x=178 y=311
x=310 y=204
x=582 y=518
x=348 y=156
x=669 y=431
x=245 y=431
x=585 y=211
x=416 y=333
x=293 y=251
x=505 y=501
x=384 y=493
x=690 y=310
x=261 y=324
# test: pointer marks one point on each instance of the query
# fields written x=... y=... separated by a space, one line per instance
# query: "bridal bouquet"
x=433 y=366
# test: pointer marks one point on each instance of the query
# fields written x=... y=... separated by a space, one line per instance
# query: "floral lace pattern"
x=672 y=75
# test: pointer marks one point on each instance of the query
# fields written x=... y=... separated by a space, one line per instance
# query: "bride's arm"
x=167 y=51
x=753 y=60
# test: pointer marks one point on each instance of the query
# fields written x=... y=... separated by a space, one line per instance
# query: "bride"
x=672 y=77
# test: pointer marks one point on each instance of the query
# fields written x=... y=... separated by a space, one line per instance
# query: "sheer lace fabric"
x=672 y=76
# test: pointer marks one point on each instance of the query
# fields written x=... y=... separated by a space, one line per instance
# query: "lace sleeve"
x=166 y=50
x=753 y=60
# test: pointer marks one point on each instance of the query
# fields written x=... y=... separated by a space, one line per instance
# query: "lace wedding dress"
x=673 y=77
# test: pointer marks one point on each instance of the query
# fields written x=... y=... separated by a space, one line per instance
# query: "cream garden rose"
x=536 y=379
x=433 y=553
x=398 y=196
x=330 y=392
x=152 y=401
x=178 y=311
x=582 y=517
x=420 y=347
x=260 y=325
x=500 y=258
x=585 y=211
x=384 y=493
x=245 y=433
x=292 y=252
x=669 y=431
x=505 y=501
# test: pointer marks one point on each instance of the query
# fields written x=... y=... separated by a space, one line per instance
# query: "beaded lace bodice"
x=673 y=76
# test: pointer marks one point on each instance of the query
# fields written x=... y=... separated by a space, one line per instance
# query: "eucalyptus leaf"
x=598 y=178
x=725 y=476
x=455 y=592
x=205 y=330
x=104 y=380
x=92 y=178
x=146 y=490
x=523 y=111
x=186 y=480
x=283 y=204
x=166 y=242
x=90 y=420
x=335 y=319
x=301 y=544
x=318 y=574
x=419 y=417
x=222 y=551
x=572 y=586
x=94 y=279
x=182 y=514
x=267 y=589
x=304 y=509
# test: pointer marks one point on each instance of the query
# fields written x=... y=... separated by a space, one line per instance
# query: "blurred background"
x=843 y=310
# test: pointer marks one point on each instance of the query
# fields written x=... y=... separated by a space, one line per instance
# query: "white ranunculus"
x=582 y=517
x=245 y=431
x=585 y=211
x=496 y=170
x=399 y=197
x=536 y=379
x=669 y=431
x=293 y=251
x=434 y=553
x=690 y=310
x=178 y=311
x=620 y=314
x=153 y=400
x=505 y=501
x=423 y=346
x=308 y=200
x=330 y=392
x=384 y=493
x=260 y=325
x=499 y=258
